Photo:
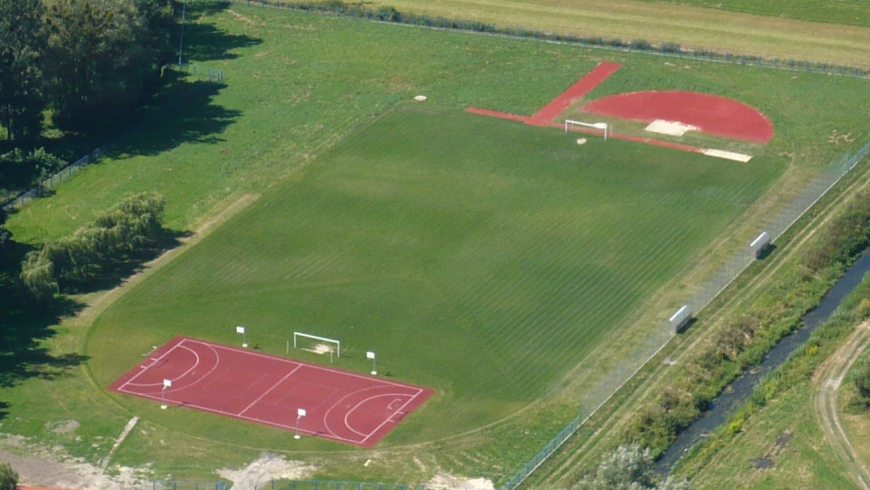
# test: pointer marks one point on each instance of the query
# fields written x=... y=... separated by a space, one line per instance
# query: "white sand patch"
x=55 y=468
x=669 y=127
x=581 y=141
x=420 y=98
x=447 y=481
x=320 y=349
x=728 y=155
x=265 y=468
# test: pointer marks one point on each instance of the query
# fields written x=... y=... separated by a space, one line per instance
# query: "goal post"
x=296 y=336
x=599 y=125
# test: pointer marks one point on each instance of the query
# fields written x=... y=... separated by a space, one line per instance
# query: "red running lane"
x=711 y=114
x=266 y=389
x=579 y=89
x=636 y=139
x=500 y=115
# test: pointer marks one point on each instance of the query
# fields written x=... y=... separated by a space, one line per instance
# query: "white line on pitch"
x=270 y=389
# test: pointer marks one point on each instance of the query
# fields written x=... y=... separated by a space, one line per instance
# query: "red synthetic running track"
x=266 y=389
x=711 y=114
x=500 y=115
x=637 y=139
x=579 y=89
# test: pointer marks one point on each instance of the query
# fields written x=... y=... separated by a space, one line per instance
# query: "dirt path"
x=828 y=378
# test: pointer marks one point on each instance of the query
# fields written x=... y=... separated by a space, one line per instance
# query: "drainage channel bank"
x=739 y=390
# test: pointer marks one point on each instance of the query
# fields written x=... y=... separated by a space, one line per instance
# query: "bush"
x=8 y=477
x=861 y=379
x=132 y=224
x=639 y=44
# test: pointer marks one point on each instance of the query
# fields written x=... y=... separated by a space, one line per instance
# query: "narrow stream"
x=739 y=390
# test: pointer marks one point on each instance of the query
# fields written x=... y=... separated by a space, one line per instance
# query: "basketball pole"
x=371 y=355
x=300 y=412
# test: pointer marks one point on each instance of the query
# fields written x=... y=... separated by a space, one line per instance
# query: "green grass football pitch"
x=480 y=257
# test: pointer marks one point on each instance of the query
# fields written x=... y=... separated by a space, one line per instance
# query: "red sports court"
x=267 y=389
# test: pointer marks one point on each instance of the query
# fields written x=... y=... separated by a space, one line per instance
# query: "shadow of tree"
x=204 y=42
x=192 y=117
x=25 y=326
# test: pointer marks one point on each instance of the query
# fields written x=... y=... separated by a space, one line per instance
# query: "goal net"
x=316 y=343
x=601 y=126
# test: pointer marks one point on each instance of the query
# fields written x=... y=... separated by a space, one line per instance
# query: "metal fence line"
x=286 y=484
x=707 y=292
x=662 y=49
x=187 y=485
x=209 y=74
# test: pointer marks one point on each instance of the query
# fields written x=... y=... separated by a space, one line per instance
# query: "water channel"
x=740 y=389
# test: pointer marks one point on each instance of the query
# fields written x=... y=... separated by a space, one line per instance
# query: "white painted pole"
x=371 y=355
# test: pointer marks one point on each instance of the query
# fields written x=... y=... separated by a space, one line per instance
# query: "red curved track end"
x=242 y=384
x=711 y=114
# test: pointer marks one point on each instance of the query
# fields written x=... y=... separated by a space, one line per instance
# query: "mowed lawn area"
x=480 y=257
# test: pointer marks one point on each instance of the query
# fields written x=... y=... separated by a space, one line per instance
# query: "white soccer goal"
x=296 y=336
x=600 y=125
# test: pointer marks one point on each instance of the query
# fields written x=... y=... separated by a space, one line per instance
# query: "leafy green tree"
x=8 y=477
x=628 y=468
x=103 y=57
x=131 y=225
x=22 y=42
x=37 y=273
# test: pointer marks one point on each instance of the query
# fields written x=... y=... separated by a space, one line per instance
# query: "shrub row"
x=743 y=343
x=134 y=223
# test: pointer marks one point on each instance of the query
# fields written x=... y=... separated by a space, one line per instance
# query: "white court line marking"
x=328 y=435
x=130 y=381
x=290 y=361
x=205 y=375
x=252 y=419
x=388 y=418
x=270 y=389
x=347 y=414
x=195 y=364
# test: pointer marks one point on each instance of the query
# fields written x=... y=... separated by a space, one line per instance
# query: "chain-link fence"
x=334 y=485
x=188 y=485
x=209 y=74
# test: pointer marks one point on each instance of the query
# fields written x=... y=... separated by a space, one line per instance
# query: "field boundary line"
x=262 y=395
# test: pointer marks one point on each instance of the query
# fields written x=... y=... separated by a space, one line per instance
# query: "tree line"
x=134 y=224
x=82 y=62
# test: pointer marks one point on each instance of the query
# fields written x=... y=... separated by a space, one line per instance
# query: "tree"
x=8 y=477
x=628 y=468
x=103 y=57
x=22 y=42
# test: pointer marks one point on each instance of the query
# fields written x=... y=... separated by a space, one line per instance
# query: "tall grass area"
x=775 y=440
x=480 y=257
x=848 y=12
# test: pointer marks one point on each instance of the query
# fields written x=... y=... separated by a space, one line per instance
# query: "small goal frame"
x=599 y=125
x=317 y=337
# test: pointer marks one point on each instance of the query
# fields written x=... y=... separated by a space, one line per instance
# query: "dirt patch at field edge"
x=265 y=468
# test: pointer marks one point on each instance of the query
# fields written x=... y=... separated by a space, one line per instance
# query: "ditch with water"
x=735 y=394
